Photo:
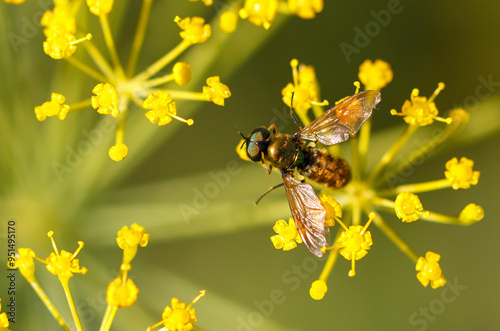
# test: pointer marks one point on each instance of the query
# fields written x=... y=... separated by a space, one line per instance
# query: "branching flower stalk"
x=368 y=193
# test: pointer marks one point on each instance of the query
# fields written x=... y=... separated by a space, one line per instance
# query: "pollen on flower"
x=332 y=207
x=318 y=289
x=54 y=107
x=180 y=317
x=429 y=270
x=63 y=264
x=409 y=208
x=194 y=29
x=354 y=243
x=182 y=73
x=420 y=111
x=129 y=239
x=118 y=152
x=375 y=75
x=305 y=9
x=105 y=99
x=472 y=213
x=162 y=109
x=121 y=294
x=100 y=7
x=287 y=235
x=259 y=12
x=25 y=263
x=460 y=174
x=216 y=91
x=228 y=21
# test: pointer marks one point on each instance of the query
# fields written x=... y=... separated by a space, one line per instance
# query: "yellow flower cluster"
x=369 y=191
x=119 y=86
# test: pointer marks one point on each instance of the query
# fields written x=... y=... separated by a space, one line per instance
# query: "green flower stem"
x=139 y=36
x=50 y=306
x=86 y=69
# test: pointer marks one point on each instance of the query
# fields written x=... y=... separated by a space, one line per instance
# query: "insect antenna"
x=243 y=136
x=292 y=113
x=268 y=191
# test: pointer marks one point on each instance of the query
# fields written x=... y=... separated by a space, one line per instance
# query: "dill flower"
x=368 y=192
x=120 y=86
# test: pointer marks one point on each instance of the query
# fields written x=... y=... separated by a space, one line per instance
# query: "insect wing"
x=344 y=119
x=308 y=213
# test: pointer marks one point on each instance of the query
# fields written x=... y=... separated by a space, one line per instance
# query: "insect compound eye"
x=257 y=143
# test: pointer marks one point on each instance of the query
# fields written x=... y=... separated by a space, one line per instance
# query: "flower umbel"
x=370 y=191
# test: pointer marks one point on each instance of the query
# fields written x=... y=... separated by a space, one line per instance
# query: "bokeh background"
x=224 y=247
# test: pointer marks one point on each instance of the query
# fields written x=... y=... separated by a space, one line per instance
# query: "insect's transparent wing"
x=308 y=213
x=341 y=121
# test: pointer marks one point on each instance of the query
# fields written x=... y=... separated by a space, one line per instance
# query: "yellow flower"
x=60 y=44
x=228 y=21
x=472 y=213
x=305 y=8
x=375 y=76
x=420 y=111
x=4 y=320
x=54 y=107
x=259 y=12
x=100 y=7
x=162 y=109
x=408 y=207
x=429 y=270
x=194 y=29
x=318 y=289
x=118 y=152
x=25 y=263
x=216 y=91
x=105 y=99
x=287 y=235
x=59 y=19
x=130 y=239
x=182 y=73
x=461 y=175
x=63 y=264
x=332 y=207
x=180 y=317
x=120 y=294
x=355 y=242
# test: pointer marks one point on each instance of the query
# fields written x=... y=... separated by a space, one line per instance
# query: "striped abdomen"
x=324 y=168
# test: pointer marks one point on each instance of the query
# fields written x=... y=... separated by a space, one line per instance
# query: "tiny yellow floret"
x=472 y=213
x=118 y=152
x=194 y=29
x=375 y=75
x=228 y=21
x=409 y=208
x=182 y=73
x=25 y=263
x=105 y=99
x=63 y=264
x=318 y=289
x=60 y=44
x=460 y=174
x=121 y=294
x=429 y=270
x=241 y=150
x=129 y=239
x=54 y=107
x=216 y=91
x=332 y=207
x=287 y=235
x=162 y=109
x=420 y=111
x=305 y=8
x=180 y=317
x=259 y=12
x=100 y=7
x=355 y=242
x=59 y=19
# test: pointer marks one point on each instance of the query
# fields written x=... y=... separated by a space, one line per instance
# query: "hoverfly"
x=287 y=153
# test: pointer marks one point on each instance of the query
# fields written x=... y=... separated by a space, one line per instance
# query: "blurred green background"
x=225 y=248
